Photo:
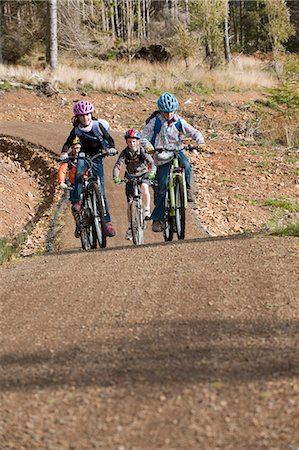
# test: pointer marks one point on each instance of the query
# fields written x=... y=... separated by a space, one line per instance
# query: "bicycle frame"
x=175 y=199
x=176 y=171
x=136 y=210
x=91 y=178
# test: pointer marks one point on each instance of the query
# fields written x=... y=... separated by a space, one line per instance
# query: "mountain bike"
x=90 y=220
x=136 y=208
x=176 y=198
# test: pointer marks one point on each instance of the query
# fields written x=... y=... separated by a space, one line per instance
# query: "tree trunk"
x=139 y=21
x=242 y=24
x=227 y=53
x=52 y=49
x=293 y=43
x=187 y=11
x=117 y=24
x=112 y=20
x=103 y=16
x=1 y=34
x=148 y=6
x=233 y=14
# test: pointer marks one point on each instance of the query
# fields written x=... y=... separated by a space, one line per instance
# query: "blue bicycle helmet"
x=167 y=102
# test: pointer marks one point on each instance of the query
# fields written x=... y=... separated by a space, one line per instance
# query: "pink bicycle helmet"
x=83 y=107
x=132 y=133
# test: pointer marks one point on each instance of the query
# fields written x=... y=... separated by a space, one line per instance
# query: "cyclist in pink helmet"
x=83 y=107
x=94 y=135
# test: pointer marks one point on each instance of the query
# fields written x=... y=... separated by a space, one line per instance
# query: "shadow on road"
x=163 y=353
x=162 y=243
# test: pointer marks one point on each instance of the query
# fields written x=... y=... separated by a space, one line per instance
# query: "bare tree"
x=1 y=34
x=227 y=53
x=52 y=48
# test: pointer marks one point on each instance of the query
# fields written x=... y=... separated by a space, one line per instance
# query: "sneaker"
x=190 y=196
x=156 y=226
x=77 y=233
x=110 y=231
x=147 y=214
x=76 y=206
x=128 y=235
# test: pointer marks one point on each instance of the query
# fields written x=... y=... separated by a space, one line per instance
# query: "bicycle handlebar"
x=139 y=178
x=82 y=155
x=188 y=147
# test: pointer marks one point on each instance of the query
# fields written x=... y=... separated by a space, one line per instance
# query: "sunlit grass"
x=110 y=76
x=287 y=205
x=290 y=229
x=9 y=249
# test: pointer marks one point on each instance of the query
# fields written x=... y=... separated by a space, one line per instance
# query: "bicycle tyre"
x=137 y=221
x=86 y=226
x=98 y=215
x=168 y=227
x=180 y=211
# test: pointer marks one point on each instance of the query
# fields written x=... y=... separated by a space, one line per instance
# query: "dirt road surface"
x=189 y=345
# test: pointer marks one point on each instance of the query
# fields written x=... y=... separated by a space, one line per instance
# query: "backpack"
x=158 y=125
x=99 y=131
x=139 y=153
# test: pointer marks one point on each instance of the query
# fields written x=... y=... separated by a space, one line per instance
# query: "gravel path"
x=126 y=354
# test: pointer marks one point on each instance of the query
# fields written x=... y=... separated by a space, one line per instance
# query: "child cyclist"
x=94 y=136
x=137 y=162
x=69 y=168
x=163 y=131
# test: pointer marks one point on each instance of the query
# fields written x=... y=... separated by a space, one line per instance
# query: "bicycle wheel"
x=180 y=211
x=86 y=227
x=168 y=219
x=98 y=215
x=137 y=221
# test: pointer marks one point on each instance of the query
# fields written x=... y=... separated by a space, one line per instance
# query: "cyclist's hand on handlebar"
x=117 y=180
x=198 y=149
x=111 y=151
x=149 y=150
x=64 y=157
x=151 y=176
x=201 y=147
x=62 y=186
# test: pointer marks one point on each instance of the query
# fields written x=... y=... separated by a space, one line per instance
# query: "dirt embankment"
x=29 y=193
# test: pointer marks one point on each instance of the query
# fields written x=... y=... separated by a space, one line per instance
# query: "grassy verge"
x=290 y=229
x=285 y=221
x=10 y=249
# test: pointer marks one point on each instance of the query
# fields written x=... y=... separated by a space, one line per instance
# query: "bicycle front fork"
x=172 y=181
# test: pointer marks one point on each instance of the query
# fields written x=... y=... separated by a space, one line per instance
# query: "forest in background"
x=108 y=29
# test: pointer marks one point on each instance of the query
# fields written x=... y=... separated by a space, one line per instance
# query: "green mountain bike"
x=176 y=199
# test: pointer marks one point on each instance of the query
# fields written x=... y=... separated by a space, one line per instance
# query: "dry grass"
x=244 y=73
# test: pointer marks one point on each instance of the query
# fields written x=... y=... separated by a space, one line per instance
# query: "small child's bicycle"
x=176 y=198
x=136 y=208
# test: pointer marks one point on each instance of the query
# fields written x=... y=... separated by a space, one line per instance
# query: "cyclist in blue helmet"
x=164 y=130
x=167 y=103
